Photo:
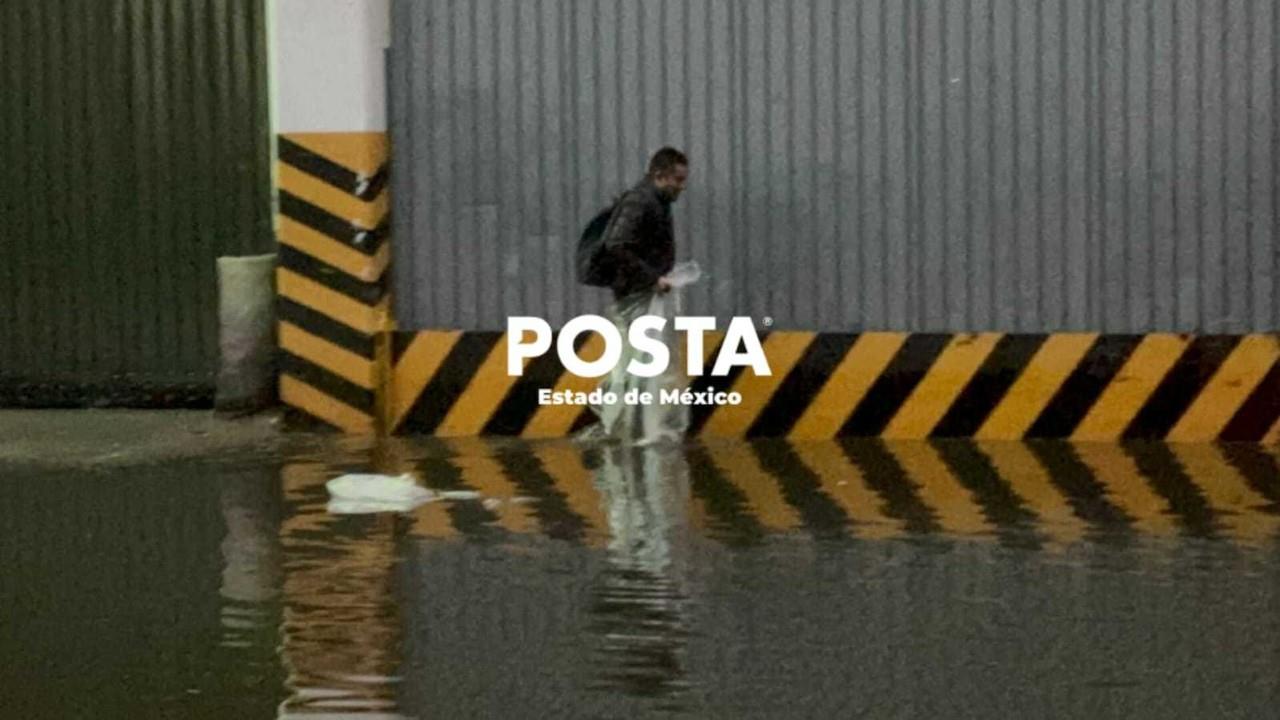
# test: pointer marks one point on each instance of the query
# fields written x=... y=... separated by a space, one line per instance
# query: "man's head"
x=669 y=172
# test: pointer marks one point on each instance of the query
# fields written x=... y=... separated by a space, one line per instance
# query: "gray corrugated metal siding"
x=934 y=165
x=135 y=151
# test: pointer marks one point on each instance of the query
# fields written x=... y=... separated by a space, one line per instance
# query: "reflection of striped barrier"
x=331 y=277
x=1040 y=495
x=985 y=386
x=340 y=629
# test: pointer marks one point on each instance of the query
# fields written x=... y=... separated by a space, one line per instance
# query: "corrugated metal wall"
x=134 y=143
x=1015 y=165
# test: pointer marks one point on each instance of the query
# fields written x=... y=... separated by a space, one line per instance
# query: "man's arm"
x=622 y=241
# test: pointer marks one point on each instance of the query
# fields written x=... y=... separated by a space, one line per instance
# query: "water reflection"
x=141 y=591
x=341 y=630
x=1040 y=496
x=639 y=600
x=722 y=578
x=581 y=562
x=251 y=575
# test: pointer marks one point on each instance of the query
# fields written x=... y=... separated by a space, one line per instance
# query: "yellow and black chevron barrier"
x=993 y=386
x=1043 y=494
x=331 y=277
x=342 y=363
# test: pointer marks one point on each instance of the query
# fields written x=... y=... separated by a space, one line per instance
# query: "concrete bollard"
x=246 y=334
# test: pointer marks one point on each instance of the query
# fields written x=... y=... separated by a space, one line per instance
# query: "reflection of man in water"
x=639 y=600
x=640 y=245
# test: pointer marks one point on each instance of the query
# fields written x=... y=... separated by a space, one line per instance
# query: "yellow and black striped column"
x=331 y=278
x=988 y=386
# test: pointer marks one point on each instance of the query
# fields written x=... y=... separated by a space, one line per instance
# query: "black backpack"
x=594 y=266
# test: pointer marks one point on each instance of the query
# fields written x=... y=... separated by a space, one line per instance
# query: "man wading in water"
x=639 y=242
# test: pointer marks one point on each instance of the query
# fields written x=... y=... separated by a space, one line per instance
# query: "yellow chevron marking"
x=419 y=363
x=844 y=482
x=1131 y=387
x=1115 y=470
x=337 y=360
x=296 y=481
x=484 y=473
x=1227 y=390
x=783 y=350
x=556 y=420
x=939 y=490
x=1018 y=466
x=482 y=395
x=432 y=520
x=740 y=467
x=1236 y=505
x=563 y=462
x=1272 y=438
x=300 y=395
x=848 y=385
x=363 y=153
x=297 y=478
x=320 y=246
x=940 y=387
x=328 y=302
x=1031 y=393
x=339 y=203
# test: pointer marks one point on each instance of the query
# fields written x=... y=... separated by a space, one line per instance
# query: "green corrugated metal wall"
x=134 y=151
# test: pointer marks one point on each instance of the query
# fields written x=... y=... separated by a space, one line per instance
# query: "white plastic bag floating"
x=358 y=494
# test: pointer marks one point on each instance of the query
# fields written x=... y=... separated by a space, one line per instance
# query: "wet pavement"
x=770 y=580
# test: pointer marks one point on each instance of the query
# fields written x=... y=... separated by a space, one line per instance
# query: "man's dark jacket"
x=640 y=239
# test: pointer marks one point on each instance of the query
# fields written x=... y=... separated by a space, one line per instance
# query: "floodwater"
x=765 y=580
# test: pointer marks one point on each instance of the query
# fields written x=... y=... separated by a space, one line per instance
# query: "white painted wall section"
x=329 y=65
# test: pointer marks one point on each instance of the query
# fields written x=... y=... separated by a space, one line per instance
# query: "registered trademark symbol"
x=768 y=322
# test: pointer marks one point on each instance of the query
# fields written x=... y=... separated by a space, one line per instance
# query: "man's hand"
x=664 y=285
